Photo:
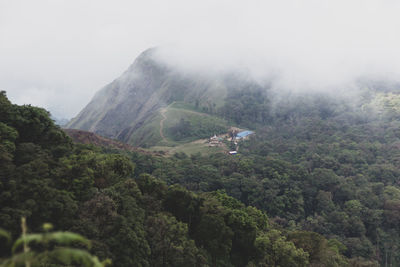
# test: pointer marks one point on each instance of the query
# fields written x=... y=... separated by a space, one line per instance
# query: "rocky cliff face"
x=126 y=101
x=124 y=105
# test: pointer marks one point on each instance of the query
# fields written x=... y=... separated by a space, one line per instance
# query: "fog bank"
x=57 y=53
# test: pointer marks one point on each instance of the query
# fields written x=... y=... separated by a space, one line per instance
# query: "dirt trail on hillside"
x=162 y=112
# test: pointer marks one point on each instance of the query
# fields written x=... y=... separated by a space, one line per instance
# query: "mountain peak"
x=135 y=99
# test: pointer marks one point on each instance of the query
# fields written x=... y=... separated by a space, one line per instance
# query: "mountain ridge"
x=136 y=98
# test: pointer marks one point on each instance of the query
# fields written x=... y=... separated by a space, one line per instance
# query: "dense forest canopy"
x=317 y=185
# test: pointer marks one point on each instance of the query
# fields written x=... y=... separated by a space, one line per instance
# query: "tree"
x=274 y=250
x=169 y=243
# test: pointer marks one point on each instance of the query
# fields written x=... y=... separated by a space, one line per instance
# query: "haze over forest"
x=57 y=54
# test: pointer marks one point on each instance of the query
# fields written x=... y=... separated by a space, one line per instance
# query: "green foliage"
x=170 y=244
x=326 y=177
x=5 y=235
x=275 y=250
x=61 y=238
x=196 y=127
x=50 y=248
x=321 y=251
x=183 y=204
x=183 y=129
x=316 y=163
x=246 y=106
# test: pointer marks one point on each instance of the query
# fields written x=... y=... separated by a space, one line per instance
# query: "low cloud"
x=308 y=45
x=67 y=50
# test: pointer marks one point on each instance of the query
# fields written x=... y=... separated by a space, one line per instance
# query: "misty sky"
x=58 y=53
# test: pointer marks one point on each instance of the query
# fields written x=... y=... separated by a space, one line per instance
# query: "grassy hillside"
x=188 y=125
x=177 y=124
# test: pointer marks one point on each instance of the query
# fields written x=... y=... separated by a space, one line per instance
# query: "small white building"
x=215 y=141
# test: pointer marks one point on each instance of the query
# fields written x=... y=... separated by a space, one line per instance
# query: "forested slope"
x=318 y=163
x=131 y=216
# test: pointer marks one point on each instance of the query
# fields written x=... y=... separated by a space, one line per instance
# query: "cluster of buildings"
x=216 y=141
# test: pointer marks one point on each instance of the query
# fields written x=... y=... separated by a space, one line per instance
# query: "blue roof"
x=244 y=134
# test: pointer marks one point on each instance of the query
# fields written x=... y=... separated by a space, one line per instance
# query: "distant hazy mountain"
x=135 y=99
